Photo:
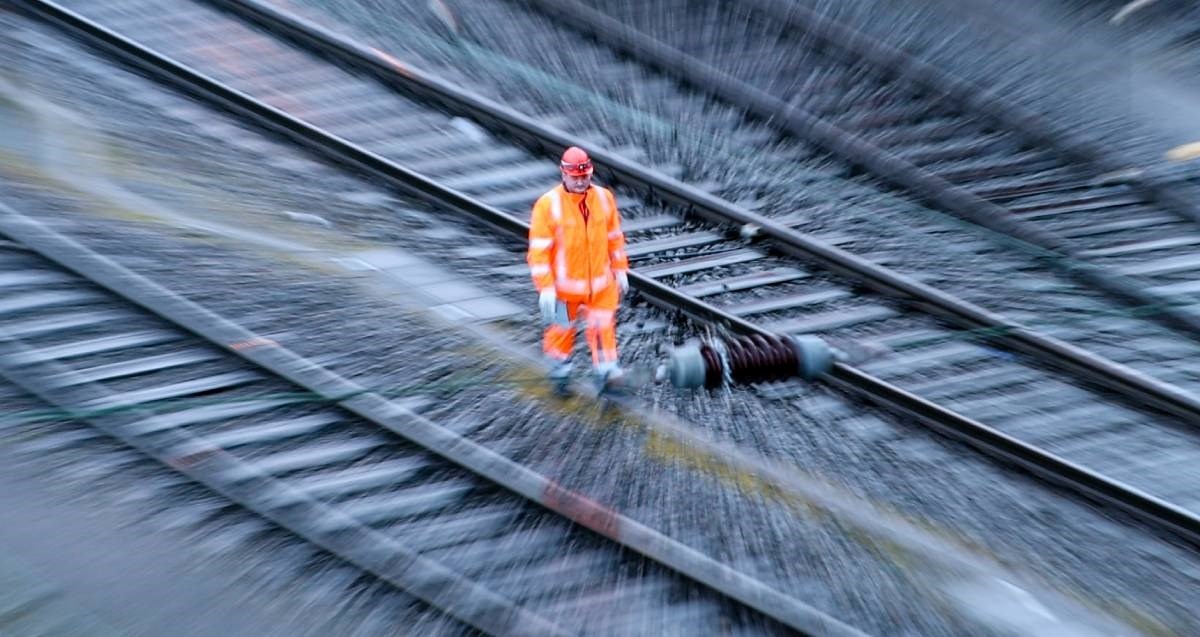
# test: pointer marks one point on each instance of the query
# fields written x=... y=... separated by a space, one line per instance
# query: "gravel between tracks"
x=866 y=452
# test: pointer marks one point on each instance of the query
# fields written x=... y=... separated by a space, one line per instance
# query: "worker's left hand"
x=622 y=283
x=548 y=304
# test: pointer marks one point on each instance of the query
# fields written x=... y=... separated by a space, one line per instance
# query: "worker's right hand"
x=548 y=304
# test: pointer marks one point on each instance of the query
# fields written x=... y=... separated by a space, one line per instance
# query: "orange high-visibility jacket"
x=578 y=258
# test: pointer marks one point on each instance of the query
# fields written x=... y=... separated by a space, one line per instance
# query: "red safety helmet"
x=575 y=162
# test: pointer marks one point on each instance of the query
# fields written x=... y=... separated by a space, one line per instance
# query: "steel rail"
x=1048 y=466
x=971 y=95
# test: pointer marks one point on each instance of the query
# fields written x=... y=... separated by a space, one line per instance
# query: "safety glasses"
x=577 y=170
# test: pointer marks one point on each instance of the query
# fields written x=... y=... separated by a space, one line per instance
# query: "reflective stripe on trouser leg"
x=602 y=338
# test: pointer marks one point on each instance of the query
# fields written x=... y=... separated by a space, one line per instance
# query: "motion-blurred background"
x=912 y=345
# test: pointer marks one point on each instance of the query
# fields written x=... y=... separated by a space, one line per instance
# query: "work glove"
x=548 y=304
x=622 y=282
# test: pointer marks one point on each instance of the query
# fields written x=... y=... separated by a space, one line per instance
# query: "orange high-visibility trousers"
x=600 y=329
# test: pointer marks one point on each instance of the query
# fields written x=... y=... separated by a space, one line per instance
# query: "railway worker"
x=578 y=263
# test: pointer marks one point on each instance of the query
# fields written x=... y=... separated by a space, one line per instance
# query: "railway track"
x=686 y=263
x=1131 y=241
x=1113 y=233
x=951 y=143
x=1134 y=346
x=1117 y=331
x=371 y=480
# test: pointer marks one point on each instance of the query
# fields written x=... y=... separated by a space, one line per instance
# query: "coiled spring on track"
x=758 y=358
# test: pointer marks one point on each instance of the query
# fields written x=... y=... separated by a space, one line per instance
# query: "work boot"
x=610 y=379
x=560 y=378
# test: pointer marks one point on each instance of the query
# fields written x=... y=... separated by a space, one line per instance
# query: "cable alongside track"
x=677 y=270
